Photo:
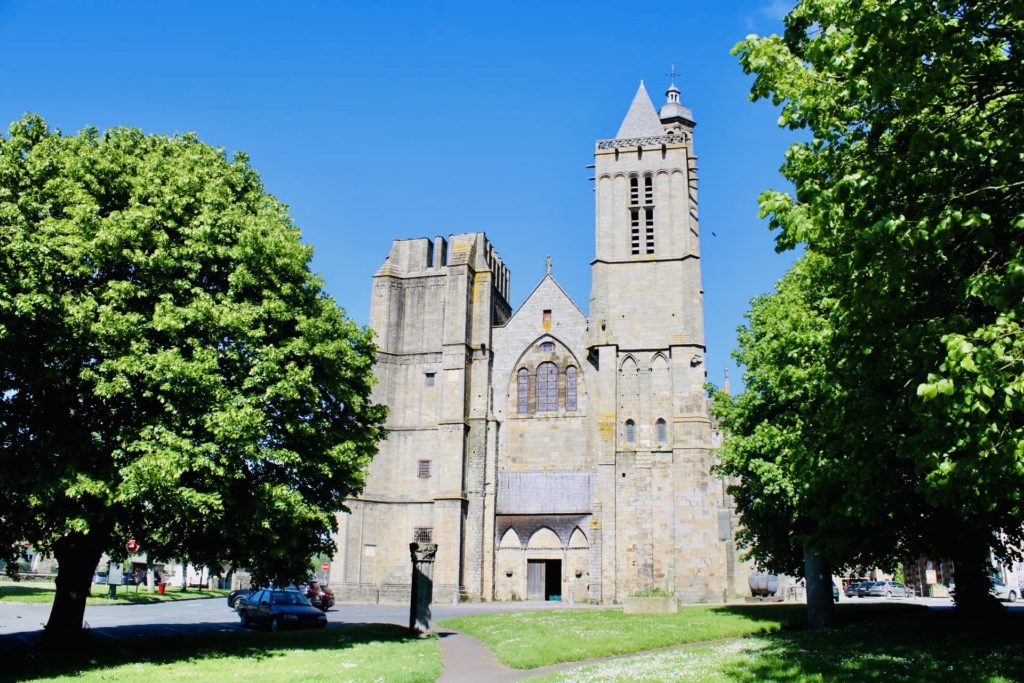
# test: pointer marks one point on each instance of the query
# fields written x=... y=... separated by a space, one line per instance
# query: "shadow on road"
x=152 y=644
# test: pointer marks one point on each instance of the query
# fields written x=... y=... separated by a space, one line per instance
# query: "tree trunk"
x=818 y=574
x=77 y=557
x=972 y=585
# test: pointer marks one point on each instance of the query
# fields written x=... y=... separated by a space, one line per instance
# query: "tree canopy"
x=170 y=369
x=908 y=195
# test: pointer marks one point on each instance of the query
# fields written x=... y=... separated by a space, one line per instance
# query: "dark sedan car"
x=280 y=609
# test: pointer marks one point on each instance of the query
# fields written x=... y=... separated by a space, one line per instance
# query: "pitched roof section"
x=641 y=120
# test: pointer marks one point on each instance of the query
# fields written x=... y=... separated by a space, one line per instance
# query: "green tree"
x=170 y=369
x=909 y=184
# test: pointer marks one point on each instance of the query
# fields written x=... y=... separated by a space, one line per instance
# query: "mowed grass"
x=42 y=592
x=528 y=640
x=891 y=646
x=357 y=653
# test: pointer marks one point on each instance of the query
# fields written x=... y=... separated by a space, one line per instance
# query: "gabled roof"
x=641 y=120
x=544 y=279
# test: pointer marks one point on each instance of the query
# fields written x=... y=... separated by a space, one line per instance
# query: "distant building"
x=546 y=451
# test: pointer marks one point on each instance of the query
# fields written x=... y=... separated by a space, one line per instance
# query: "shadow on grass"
x=892 y=643
x=97 y=652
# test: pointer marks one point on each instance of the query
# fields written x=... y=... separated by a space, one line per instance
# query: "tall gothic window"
x=570 y=388
x=547 y=387
x=630 y=431
x=662 y=430
x=523 y=391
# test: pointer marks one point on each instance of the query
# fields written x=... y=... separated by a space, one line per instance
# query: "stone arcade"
x=545 y=452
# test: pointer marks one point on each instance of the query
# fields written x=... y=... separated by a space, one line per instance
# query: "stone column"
x=422 y=586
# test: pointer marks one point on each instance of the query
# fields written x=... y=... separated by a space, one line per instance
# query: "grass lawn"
x=39 y=591
x=358 y=653
x=531 y=639
x=892 y=646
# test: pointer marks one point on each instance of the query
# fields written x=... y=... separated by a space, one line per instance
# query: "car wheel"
x=275 y=624
x=1012 y=597
x=888 y=594
x=237 y=603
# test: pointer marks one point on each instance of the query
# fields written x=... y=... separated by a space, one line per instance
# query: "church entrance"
x=544 y=580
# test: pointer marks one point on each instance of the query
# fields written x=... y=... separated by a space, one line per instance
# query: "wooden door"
x=535 y=579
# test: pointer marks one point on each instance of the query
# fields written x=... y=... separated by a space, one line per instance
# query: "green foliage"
x=908 y=195
x=652 y=593
x=170 y=369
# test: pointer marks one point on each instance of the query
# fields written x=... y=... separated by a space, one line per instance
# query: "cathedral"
x=551 y=454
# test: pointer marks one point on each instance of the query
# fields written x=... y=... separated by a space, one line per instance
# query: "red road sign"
x=325 y=566
x=132 y=546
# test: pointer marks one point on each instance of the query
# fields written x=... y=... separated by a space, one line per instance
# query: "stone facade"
x=548 y=454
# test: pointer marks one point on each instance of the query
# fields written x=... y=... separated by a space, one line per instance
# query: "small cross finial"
x=547 y=265
x=672 y=74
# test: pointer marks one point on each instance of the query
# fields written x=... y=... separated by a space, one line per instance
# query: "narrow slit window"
x=570 y=388
x=662 y=430
x=634 y=220
x=649 y=228
x=634 y=191
x=428 y=379
x=648 y=190
x=523 y=403
x=630 y=431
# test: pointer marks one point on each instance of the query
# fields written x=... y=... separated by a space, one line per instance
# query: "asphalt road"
x=21 y=624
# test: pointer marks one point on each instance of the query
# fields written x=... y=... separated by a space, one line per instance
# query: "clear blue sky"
x=383 y=120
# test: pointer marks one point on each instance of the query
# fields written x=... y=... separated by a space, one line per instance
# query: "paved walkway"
x=467 y=660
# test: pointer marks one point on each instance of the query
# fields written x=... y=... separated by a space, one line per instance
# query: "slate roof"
x=641 y=120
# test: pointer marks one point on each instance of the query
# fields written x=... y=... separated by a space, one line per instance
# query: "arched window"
x=634 y=191
x=524 y=391
x=570 y=388
x=546 y=347
x=662 y=430
x=630 y=432
x=547 y=387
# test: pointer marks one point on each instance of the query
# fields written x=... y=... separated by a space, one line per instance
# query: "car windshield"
x=287 y=598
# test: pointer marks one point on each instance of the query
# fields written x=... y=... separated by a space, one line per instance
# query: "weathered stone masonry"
x=550 y=454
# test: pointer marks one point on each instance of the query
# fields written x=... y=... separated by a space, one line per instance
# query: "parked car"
x=319 y=596
x=835 y=593
x=851 y=590
x=100 y=577
x=236 y=597
x=280 y=609
x=884 y=589
x=1001 y=591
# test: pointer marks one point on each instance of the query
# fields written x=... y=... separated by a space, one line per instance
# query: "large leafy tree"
x=910 y=185
x=170 y=369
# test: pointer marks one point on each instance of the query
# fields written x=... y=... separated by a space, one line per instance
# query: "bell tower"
x=645 y=336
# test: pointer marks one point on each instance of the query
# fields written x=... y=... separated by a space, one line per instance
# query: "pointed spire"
x=725 y=387
x=641 y=120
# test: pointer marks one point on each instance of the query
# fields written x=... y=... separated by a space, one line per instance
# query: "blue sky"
x=376 y=120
